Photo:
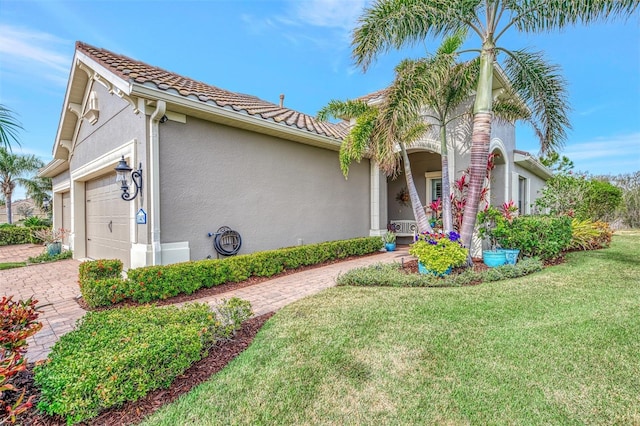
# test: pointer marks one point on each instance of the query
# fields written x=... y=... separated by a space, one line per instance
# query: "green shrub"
x=35 y=221
x=46 y=257
x=392 y=275
x=99 y=269
x=545 y=237
x=121 y=355
x=12 y=235
x=161 y=282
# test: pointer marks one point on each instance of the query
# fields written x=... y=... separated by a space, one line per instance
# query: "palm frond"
x=543 y=89
x=539 y=16
x=396 y=23
x=343 y=110
x=9 y=127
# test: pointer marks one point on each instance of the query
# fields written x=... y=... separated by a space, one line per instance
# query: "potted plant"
x=506 y=235
x=389 y=239
x=489 y=221
x=51 y=238
x=438 y=253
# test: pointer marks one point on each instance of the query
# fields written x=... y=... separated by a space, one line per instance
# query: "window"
x=522 y=195
x=434 y=186
x=436 y=189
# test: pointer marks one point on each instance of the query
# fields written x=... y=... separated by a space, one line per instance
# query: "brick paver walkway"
x=20 y=252
x=55 y=286
x=271 y=295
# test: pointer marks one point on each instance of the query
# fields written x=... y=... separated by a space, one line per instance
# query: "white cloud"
x=30 y=51
x=607 y=155
x=328 y=13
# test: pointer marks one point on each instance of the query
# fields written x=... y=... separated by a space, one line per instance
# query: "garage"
x=66 y=215
x=107 y=221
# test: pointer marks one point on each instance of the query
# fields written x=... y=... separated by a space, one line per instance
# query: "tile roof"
x=138 y=72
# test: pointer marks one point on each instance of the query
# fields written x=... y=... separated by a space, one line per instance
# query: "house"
x=22 y=209
x=209 y=158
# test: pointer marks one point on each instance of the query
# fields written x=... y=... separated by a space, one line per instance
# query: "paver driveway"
x=55 y=286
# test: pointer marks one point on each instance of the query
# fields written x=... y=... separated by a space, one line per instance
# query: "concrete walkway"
x=55 y=286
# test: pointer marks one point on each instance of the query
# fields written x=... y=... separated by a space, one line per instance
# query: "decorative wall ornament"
x=403 y=197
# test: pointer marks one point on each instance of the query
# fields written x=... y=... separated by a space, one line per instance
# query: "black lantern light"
x=46 y=203
x=122 y=172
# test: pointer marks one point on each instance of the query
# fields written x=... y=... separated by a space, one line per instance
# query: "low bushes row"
x=101 y=285
x=392 y=275
x=120 y=355
x=11 y=234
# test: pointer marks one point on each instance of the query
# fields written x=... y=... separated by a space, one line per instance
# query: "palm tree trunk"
x=480 y=139
x=7 y=199
x=416 y=205
x=447 y=213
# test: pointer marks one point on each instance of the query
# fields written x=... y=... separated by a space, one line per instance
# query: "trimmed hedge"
x=392 y=275
x=102 y=288
x=12 y=235
x=121 y=355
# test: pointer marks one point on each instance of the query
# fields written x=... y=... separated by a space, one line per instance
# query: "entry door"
x=107 y=221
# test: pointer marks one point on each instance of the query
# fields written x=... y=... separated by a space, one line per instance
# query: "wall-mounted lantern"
x=122 y=172
x=46 y=203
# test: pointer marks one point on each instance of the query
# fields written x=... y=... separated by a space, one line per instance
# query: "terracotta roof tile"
x=132 y=70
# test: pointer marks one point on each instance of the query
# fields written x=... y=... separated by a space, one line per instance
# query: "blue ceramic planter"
x=423 y=270
x=512 y=256
x=54 y=249
x=493 y=258
x=390 y=246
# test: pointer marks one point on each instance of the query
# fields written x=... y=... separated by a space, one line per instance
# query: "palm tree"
x=395 y=23
x=374 y=136
x=38 y=189
x=12 y=169
x=9 y=127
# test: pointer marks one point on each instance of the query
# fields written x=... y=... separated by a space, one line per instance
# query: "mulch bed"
x=134 y=412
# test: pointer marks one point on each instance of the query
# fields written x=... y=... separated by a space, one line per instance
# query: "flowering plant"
x=49 y=235
x=439 y=251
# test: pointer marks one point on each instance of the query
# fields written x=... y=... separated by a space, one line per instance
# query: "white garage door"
x=66 y=215
x=107 y=221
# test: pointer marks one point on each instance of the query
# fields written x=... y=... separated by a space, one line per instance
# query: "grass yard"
x=557 y=347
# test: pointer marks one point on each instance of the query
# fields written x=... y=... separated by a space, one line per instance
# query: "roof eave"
x=530 y=163
x=212 y=112
x=53 y=168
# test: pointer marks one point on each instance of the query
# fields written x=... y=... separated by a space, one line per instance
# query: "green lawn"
x=557 y=347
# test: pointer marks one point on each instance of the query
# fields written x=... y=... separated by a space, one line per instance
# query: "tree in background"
x=13 y=168
x=581 y=196
x=9 y=127
x=555 y=162
x=629 y=183
x=38 y=189
x=394 y=23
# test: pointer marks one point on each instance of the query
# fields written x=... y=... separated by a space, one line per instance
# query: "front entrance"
x=107 y=221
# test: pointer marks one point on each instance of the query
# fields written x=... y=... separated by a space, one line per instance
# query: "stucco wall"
x=62 y=177
x=275 y=193
x=116 y=125
x=421 y=162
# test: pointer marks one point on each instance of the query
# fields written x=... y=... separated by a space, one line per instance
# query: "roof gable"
x=139 y=73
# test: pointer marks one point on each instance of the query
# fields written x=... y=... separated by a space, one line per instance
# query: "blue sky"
x=300 y=48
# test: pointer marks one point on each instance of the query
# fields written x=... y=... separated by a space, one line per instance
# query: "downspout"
x=154 y=181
